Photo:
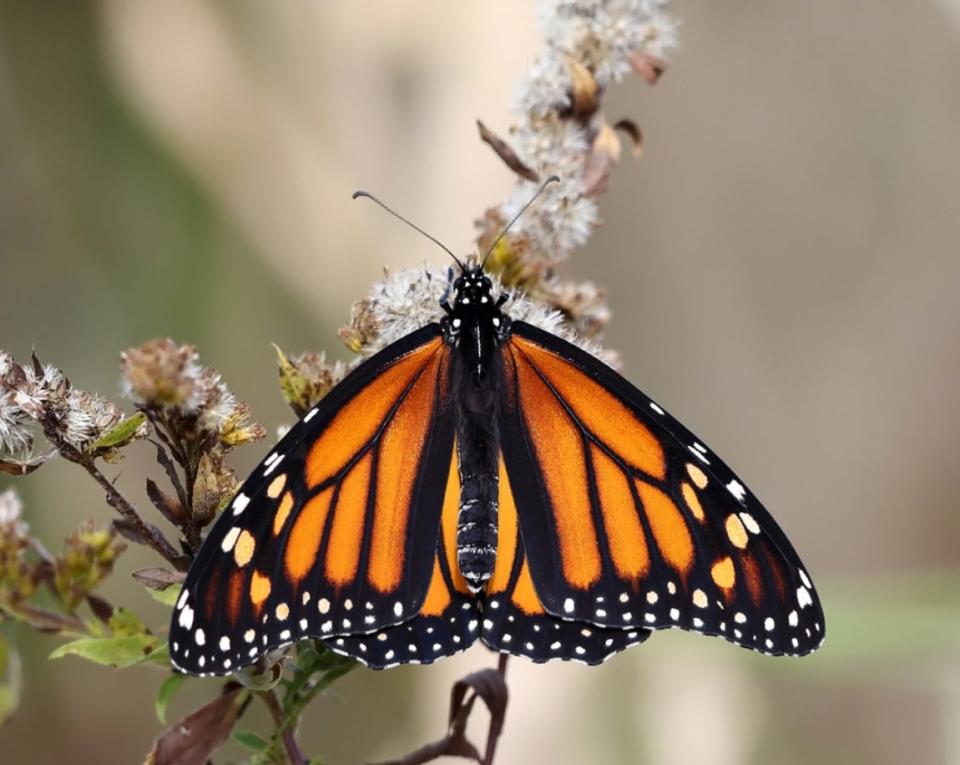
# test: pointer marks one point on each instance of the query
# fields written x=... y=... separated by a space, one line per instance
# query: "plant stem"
x=153 y=537
x=496 y=724
x=285 y=729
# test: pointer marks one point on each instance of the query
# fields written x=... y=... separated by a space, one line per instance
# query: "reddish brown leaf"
x=158 y=578
x=100 y=607
x=649 y=67
x=603 y=156
x=130 y=530
x=169 y=507
x=507 y=154
x=198 y=735
x=632 y=129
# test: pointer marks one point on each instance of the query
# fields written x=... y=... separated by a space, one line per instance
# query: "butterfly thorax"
x=476 y=328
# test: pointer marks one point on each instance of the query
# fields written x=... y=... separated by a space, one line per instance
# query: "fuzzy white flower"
x=602 y=36
x=407 y=300
x=11 y=513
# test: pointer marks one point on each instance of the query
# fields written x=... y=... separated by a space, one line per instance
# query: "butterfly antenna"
x=551 y=179
x=398 y=216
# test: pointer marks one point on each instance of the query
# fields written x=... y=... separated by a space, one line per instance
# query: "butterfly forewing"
x=335 y=532
x=629 y=521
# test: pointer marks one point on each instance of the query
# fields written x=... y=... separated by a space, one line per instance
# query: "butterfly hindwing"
x=334 y=532
x=629 y=521
x=515 y=620
x=448 y=619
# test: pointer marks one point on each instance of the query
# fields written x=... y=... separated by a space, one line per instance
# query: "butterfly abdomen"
x=477 y=520
x=478 y=450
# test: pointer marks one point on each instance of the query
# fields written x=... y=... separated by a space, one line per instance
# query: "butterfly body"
x=476 y=328
x=482 y=478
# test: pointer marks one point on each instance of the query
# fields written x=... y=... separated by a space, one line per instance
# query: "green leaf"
x=122 y=433
x=168 y=596
x=116 y=652
x=164 y=694
x=124 y=623
x=250 y=740
x=9 y=680
x=160 y=655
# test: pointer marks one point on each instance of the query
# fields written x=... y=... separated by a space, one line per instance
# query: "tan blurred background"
x=782 y=266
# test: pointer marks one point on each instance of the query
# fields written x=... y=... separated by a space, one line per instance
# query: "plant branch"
x=490 y=686
x=284 y=731
x=151 y=535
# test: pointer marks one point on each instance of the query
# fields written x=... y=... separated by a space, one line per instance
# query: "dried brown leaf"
x=603 y=157
x=584 y=91
x=158 y=578
x=198 y=735
x=130 y=530
x=506 y=153
x=100 y=607
x=168 y=506
x=632 y=129
x=649 y=67
x=214 y=483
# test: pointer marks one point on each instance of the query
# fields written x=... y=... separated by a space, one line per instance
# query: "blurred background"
x=782 y=266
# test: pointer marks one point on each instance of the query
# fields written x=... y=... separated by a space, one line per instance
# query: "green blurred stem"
x=285 y=729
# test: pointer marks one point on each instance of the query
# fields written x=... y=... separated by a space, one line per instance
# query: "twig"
x=151 y=535
x=496 y=722
x=285 y=731
x=489 y=685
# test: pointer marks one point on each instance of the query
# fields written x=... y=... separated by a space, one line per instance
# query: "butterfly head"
x=472 y=289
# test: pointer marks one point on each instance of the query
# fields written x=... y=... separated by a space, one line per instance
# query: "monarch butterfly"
x=485 y=479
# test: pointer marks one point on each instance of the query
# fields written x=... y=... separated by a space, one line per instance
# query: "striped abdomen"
x=478 y=453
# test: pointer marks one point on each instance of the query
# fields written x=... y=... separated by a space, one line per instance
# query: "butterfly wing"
x=515 y=619
x=448 y=619
x=629 y=521
x=335 y=532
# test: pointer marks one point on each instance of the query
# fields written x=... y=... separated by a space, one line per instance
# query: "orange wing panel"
x=524 y=594
x=506 y=536
x=303 y=544
x=346 y=531
x=669 y=527
x=438 y=596
x=358 y=421
x=599 y=410
x=400 y=451
x=628 y=545
x=560 y=452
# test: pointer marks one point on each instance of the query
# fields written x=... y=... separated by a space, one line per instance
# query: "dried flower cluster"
x=40 y=395
x=560 y=131
x=69 y=579
x=88 y=557
x=307 y=378
x=17 y=580
x=167 y=380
